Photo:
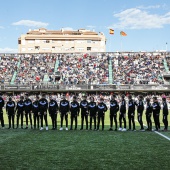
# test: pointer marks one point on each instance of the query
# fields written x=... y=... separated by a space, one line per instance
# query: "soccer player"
x=149 y=110
x=114 y=107
x=122 y=113
x=84 y=112
x=35 y=111
x=27 y=109
x=156 y=112
x=131 y=112
x=92 y=108
x=64 y=109
x=43 y=106
x=1 y=110
x=140 y=108
x=165 y=113
x=10 y=110
x=53 y=108
x=101 y=109
x=74 y=109
x=20 y=111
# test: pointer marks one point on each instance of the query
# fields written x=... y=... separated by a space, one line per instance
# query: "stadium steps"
x=45 y=80
x=110 y=72
x=15 y=73
x=56 y=66
x=166 y=65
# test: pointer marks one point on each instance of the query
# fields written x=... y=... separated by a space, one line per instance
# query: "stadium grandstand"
x=85 y=71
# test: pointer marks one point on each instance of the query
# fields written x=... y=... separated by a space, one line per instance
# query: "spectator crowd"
x=72 y=69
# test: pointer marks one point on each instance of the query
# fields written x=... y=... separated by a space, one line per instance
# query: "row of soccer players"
x=40 y=107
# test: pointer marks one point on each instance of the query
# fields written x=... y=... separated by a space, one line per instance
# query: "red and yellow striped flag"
x=111 y=31
x=123 y=33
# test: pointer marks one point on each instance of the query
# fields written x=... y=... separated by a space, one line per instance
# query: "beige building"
x=62 y=41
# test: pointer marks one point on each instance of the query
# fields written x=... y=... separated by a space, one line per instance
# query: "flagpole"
x=109 y=45
x=121 y=45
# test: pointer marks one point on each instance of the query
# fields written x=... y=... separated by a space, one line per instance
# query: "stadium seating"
x=138 y=68
x=8 y=66
x=96 y=68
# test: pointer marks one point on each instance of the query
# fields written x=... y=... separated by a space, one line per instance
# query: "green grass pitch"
x=34 y=149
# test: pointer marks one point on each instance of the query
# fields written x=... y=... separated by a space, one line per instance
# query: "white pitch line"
x=157 y=132
x=162 y=135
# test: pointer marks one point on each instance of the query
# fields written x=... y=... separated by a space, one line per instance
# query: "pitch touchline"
x=157 y=132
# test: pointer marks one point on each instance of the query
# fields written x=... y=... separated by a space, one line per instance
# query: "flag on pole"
x=123 y=33
x=111 y=31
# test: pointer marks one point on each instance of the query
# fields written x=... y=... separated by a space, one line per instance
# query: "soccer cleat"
x=120 y=129
x=134 y=130
x=71 y=129
x=61 y=128
x=110 y=129
x=66 y=128
x=41 y=128
x=142 y=130
x=115 y=129
x=124 y=129
x=3 y=127
x=26 y=128
x=46 y=127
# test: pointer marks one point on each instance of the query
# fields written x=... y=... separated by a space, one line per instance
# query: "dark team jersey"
x=1 y=103
x=101 y=108
x=28 y=105
x=156 y=108
x=35 y=106
x=165 y=108
x=131 y=106
x=20 y=106
x=140 y=106
x=43 y=104
x=64 y=106
x=114 y=107
x=123 y=106
x=53 y=106
x=92 y=107
x=84 y=105
x=10 y=106
x=149 y=108
x=74 y=107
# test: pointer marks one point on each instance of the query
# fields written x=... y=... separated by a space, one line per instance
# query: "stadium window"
x=47 y=41
x=88 y=41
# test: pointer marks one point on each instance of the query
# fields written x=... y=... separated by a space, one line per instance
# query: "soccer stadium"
x=70 y=100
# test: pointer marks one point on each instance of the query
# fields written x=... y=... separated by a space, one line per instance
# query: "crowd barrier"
x=92 y=87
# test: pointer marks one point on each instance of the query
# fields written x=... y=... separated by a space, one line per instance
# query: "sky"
x=146 y=22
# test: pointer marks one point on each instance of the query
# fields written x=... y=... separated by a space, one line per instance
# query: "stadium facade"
x=61 y=41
